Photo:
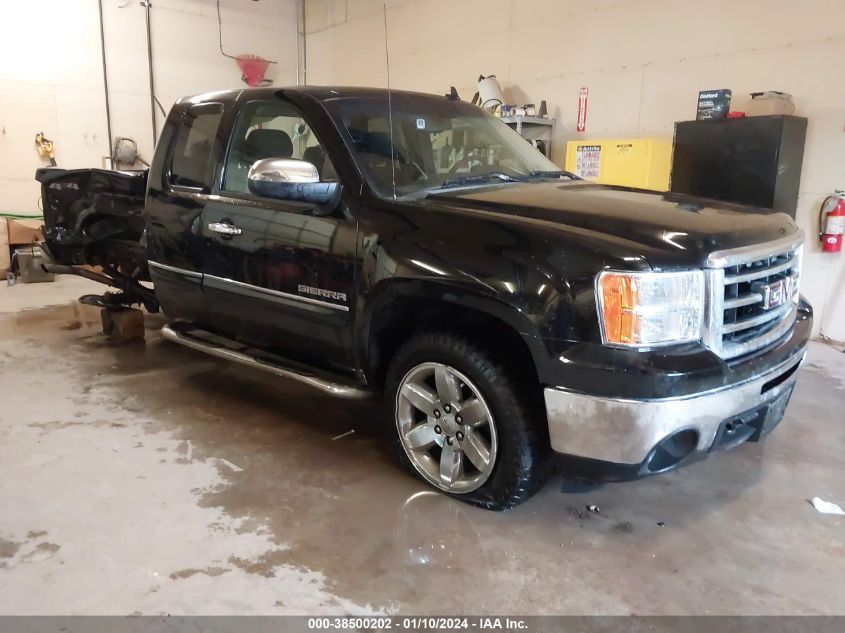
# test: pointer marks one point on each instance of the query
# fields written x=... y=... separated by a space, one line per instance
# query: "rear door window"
x=197 y=149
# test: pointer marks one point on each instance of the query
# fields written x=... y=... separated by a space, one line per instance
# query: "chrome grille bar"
x=744 y=300
x=739 y=282
x=734 y=256
x=760 y=272
x=732 y=350
x=770 y=315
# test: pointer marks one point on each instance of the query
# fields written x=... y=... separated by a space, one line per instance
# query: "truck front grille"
x=752 y=296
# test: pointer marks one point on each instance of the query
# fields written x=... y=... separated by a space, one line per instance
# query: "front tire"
x=461 y=423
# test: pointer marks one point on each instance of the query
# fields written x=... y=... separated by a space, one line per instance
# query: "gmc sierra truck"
x=414 y=246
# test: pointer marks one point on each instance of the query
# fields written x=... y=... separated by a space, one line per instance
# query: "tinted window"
x=272 y=129
x=197 y=149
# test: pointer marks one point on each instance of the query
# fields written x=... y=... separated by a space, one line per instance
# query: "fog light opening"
x=671 y=451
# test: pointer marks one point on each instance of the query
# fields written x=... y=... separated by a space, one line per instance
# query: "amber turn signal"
x=619 y=294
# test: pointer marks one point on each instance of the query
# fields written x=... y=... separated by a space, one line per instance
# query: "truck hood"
x=668 y=229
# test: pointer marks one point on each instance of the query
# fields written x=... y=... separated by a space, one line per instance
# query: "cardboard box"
x=17 y=232
x=5 y=254
x=772 y=102
x=24 y=231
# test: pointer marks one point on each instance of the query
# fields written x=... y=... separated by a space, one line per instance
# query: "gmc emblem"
x=776 y=293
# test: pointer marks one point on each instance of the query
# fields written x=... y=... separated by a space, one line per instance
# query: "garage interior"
x=144 y=478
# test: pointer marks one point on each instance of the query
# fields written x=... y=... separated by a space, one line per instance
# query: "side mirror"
x=290 y=179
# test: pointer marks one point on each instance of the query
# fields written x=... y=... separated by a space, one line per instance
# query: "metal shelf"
x=528 y=120
x=533 y=128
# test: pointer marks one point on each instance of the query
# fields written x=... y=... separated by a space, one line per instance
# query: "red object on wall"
x=581 y=124
x=832 y=222
x=252 y=68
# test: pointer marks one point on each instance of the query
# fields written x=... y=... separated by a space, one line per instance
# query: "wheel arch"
x=404 y=308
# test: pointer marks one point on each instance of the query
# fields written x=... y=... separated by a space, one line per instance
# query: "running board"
x=183 y=333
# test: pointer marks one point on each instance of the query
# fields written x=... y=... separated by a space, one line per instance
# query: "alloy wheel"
x=446 y=428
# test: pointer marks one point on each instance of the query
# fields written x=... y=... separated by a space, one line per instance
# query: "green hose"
x=21 y=216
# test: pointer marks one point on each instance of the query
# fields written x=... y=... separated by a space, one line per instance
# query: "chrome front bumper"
x=627 y=431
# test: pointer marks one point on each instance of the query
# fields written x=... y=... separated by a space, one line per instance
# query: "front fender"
x=462 y=296
x=539 y=287
x=390 y=313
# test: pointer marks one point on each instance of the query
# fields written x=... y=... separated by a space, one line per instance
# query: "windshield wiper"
x=478 y=178
x=553 y=174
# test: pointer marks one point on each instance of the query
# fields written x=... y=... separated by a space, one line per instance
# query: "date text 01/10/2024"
x=427 y=623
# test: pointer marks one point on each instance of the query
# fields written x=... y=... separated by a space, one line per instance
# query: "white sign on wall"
x=587 y=158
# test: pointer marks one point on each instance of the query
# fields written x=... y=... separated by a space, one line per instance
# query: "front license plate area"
x=752 y=425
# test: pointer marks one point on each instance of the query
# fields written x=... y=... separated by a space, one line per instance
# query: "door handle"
x=224 y=228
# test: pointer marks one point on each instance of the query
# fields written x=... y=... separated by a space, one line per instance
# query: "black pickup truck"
x=414 y=246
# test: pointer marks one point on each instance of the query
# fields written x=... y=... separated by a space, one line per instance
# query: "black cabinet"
x=753 y=160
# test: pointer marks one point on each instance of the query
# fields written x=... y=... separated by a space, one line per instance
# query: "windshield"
x=438 y=144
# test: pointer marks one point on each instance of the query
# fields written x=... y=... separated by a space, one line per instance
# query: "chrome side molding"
x=337 y=389
x=230 y=285
x=174 y=269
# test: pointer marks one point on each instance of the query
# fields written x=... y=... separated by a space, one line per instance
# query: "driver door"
x=281 y=275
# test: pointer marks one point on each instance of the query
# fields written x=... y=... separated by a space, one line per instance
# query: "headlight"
x=643 y=309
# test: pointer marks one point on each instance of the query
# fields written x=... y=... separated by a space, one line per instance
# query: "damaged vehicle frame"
x=95 y=217
x=414 y=246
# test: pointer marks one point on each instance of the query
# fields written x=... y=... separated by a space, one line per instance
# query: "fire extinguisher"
x=832 y=222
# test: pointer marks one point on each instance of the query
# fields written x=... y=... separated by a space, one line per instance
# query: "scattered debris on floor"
x=826 y=507
x=661 y=524
x=237 y=469
x=578 y=513
x=342 y=435
x=585 y=512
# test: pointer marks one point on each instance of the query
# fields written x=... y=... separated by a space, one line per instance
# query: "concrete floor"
x=147 y=478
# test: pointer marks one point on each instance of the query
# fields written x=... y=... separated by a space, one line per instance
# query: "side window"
x=271 y=130
x=197 y=149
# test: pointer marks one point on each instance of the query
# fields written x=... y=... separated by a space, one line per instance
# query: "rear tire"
x=432 y=380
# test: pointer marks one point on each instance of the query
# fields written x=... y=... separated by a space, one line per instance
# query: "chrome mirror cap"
x=292 y=180
x=283 y=170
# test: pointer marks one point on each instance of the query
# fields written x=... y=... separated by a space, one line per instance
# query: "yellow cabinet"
x=644 y=163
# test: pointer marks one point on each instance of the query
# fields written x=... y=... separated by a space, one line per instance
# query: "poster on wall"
x=587 y=158
x=581 y=124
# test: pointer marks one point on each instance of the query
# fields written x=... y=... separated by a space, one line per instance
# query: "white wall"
x=51 y=76
x=644 y=62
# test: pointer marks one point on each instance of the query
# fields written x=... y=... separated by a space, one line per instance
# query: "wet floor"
x=148 y=478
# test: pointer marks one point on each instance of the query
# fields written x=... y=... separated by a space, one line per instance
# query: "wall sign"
x=587 y=159
x=582 y=109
